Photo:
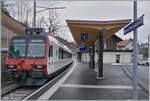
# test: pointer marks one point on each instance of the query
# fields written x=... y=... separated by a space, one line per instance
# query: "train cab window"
x=36 y=50
x=17 y=50
x=50 y=51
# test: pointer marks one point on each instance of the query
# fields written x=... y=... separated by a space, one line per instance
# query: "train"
x=33 y=57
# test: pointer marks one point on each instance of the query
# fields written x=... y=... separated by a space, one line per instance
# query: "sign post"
x=133 y=27
x=135 y=57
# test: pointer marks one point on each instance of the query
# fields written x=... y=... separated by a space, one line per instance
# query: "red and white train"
x=33 y=57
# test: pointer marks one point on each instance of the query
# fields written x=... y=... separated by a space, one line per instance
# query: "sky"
x=99 y=11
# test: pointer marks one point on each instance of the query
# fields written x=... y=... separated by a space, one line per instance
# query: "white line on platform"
x=121 y=64
x=52 y=90
x=97 y=86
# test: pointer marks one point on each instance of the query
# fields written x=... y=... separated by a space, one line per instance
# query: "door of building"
x=117 y=58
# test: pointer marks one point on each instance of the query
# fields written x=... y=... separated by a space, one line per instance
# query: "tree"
x=53 y=22
x=20 y=10
x=23 y=11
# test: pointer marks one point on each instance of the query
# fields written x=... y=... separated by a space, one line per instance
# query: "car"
x=144 y=62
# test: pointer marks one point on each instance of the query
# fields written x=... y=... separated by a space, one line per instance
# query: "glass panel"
x=36 y=50
x=17 y=50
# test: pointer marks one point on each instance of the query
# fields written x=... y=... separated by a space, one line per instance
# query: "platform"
x=80 y=83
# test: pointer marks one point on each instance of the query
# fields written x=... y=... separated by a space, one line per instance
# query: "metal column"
x=34 y=14
x=135 y=57
x=89 y=57
x=100 y=55
x=93 y=57
x=149 y=49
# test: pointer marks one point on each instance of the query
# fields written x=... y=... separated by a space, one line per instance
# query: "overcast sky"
x=99 y=11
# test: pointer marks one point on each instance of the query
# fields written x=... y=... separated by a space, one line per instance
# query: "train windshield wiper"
x=12 y=54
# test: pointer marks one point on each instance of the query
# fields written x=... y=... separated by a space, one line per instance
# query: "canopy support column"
x=100 y=54
x=93 y=56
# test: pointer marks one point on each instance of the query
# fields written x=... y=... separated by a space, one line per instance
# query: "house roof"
x=77 y=27
x=123 y=43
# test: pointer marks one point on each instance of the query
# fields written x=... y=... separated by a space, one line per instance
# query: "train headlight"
x=11 y=66
x=39 y=66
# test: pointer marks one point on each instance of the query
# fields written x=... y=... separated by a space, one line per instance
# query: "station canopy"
x=77 y=27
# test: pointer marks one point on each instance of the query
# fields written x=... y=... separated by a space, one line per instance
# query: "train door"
x=50 y=55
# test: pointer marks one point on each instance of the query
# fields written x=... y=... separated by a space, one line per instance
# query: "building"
x=125 y=45
x=112 y=53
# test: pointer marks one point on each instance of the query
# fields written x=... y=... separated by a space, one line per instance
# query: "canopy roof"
x=77 y=27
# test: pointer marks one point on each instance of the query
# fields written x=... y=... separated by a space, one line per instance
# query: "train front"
x=27 y=59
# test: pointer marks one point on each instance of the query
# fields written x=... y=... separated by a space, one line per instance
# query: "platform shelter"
x=86 y=33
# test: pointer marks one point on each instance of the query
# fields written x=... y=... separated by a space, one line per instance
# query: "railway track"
x=19 y=93
x=7 y=83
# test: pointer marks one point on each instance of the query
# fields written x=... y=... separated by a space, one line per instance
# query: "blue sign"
x=83 y=48
x=84 y=36
x=134 y=25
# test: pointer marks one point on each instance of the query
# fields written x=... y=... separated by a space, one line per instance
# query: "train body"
x=33 y=58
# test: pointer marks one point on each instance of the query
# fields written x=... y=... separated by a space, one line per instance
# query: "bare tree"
x=23 y=11
x=20 y=10
x=53 y=22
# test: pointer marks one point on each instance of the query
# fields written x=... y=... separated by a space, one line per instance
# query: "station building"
x=112 y=53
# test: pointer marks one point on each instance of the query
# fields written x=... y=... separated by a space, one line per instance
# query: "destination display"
x=37 y=40
x=19 y=40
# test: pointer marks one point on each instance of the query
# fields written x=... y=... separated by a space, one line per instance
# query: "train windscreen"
x=36 y=50
x=32 y=48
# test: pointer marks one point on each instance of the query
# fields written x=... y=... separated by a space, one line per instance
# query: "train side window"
x=50 y=51
x=56 y=53
x=60 y=54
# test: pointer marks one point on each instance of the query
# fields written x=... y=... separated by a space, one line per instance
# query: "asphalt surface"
x=83 y=85
x=144 y=73
x=143 y=76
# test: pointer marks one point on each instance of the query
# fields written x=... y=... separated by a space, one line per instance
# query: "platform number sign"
x=84 y=36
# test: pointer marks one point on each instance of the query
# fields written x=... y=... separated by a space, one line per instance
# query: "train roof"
x=60 y=44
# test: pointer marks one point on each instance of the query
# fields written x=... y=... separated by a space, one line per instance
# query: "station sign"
x=83 y=48
x=134 y=25
x=84 y=36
